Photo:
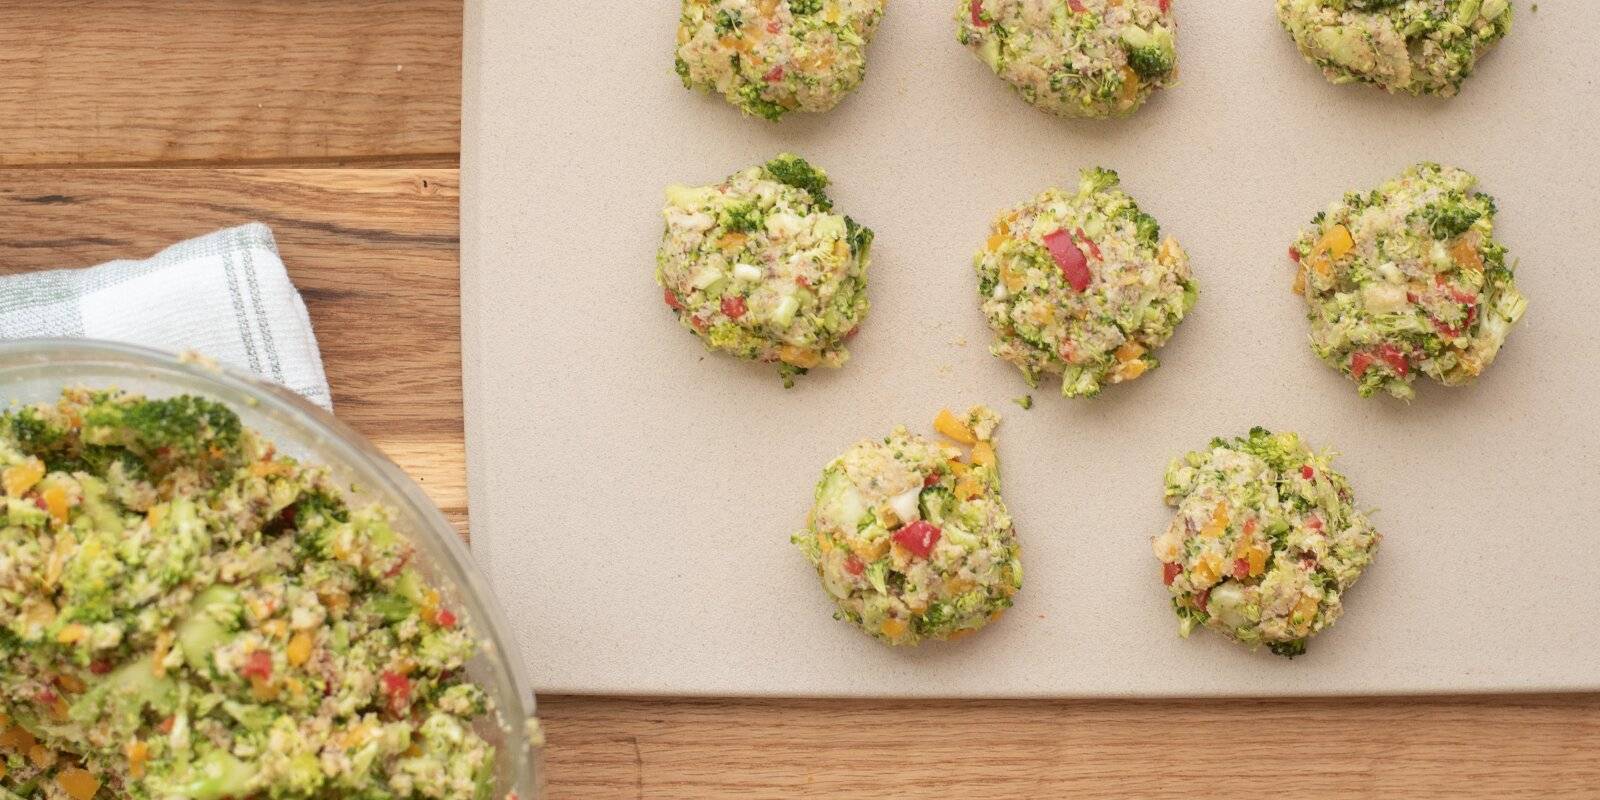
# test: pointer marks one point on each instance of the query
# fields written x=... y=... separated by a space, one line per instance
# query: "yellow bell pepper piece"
x=72 y=634
x=871 y=551
x=948 y=424
x=968 y=488
x=1258 y=561
x=55 y=502
x=1131 y=370
x=983 y=455
x=799 y=356
x=137 y=752
x=1338 y=242
x=19 y=478
x=1130 y=88
x=1169 y=252
x=893 y=628
x=1013 y=281
x=299 y=650
x=41 y=756
x=1466 y=254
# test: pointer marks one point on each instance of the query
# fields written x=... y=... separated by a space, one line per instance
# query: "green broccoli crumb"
x=1450 y=217
x=1147 y=229
x=185 y=425
x=742 y=218
x=1025 y=401
x=1289 y=649
x=859 y=236
x=751 y=100
x=1098 y=179
x=797 y=172
x=1151 y=54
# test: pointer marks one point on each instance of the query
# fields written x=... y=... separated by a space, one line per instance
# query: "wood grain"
x=373 y=252
x=1495 y=747
x=143 y=81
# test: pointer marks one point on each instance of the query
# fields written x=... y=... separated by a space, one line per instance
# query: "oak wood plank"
x=373 y=251
x=153 y=81
x=1488 y=747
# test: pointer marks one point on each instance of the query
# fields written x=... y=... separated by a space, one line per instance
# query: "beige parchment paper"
x=632 y=495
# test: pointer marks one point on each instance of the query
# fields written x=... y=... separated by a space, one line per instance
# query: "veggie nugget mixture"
x=1081 y=285
x=1266 y=541
x=770 y=57
x=759 y=266
x=1075 y=58
x=188 y=614
x=911 y=541
x=1422 y=47
x=1408 y=278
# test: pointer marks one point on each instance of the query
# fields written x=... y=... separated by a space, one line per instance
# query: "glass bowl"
x=36 y=370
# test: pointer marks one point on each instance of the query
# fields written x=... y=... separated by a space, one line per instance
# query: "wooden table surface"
x=126 y=125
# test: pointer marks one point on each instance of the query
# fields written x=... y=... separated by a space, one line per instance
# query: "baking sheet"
x=632 y=495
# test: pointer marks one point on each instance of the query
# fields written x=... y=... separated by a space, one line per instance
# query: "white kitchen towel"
x=224 y=295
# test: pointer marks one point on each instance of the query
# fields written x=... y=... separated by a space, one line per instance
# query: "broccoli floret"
x=937 y=616
x=1149 y=231
x=33 y=434
x=741 y=218
x=859 y=236
x=1451 y=217
x=750 y=99
x=1281 y=451
x=1150 y=62
x=1188 y=618
x=797 y=172
x=727 y=22
x=315 y=509
x=1098 y=179
x=186 y=425
x=807 y=542
x=798 y=7
x=788 y=372
x=1289 y=649
x=1151 y=54
x=133 y=431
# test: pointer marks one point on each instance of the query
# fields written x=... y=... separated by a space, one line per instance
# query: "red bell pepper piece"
x=919 y=537
x=1074 y=267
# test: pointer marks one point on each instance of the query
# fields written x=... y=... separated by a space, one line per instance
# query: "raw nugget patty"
x=759 y=266
x=770 y=57
x=1081 y=285
x=1408 y=278
x=911 y=540
x=1422 y=47
x=1075 y=58
x=1266 y=541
